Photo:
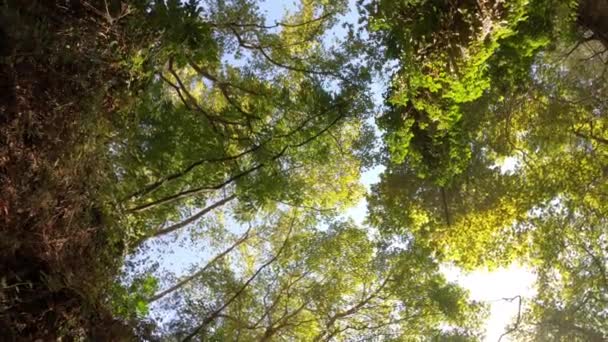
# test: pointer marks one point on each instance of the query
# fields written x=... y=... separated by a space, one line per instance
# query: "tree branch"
x=191 y=219
x=278 y=23
x=353 y=309
x=198 y=273
x=517 y=321
x=154 y=186
x=191 y=192
x=210 y=318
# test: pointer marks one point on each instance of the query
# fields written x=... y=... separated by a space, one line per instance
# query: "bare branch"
x=211 y=317
x=517 y=321
x=192 y=218
x=278 y=23
x=198 y=273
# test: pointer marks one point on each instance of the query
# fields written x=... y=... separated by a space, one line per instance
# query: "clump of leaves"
x=131 y=301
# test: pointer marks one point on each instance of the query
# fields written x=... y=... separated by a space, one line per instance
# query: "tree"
x=248 y=137
x=572 y=282
x=241 y=118
x=449 y=63
x=533 y=95
x=447 y=175
x=313 y=285
x=208 y=132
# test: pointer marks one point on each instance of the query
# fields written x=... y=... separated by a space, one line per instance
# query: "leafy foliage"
x=449 y=63
x=321 y=286
x=132 y=128
x=511 y=168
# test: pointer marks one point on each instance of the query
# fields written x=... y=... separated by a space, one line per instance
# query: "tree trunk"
x=593 y=16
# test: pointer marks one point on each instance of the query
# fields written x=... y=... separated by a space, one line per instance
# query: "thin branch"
x=307 y=207
x=201 y=71
x=261 y=49
x=595 y=54
x=271 y=330
x=591 y=136
x=445 y=207
x=276 y=301
x=198 y=190
x=352 y=310
x=194 y=101
x=601 y=265
x=517 y=321
x=578 y=43
x=177 y=90
x=278 y=23
x=198 y=273
x=223 y=86
x=191 y=192
x=192 y=218
x=210 y=318
x=154 y=186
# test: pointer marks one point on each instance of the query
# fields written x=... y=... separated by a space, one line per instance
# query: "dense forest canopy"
x=131 y=128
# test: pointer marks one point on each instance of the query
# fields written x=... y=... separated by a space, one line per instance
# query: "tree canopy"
x=135 y=129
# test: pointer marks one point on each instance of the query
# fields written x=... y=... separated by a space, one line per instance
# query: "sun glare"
x=499 y=289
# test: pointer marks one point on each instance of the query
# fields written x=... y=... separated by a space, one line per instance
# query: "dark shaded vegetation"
x=61 y=83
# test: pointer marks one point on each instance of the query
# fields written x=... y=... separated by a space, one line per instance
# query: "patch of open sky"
x=177 y=252
x=509 y=165
x=500 y=289
x=368 y=178
x=174 y=256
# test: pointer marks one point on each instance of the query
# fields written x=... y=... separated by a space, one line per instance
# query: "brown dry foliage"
x=58 y=88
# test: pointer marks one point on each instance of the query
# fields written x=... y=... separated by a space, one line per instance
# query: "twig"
x=517 y=321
